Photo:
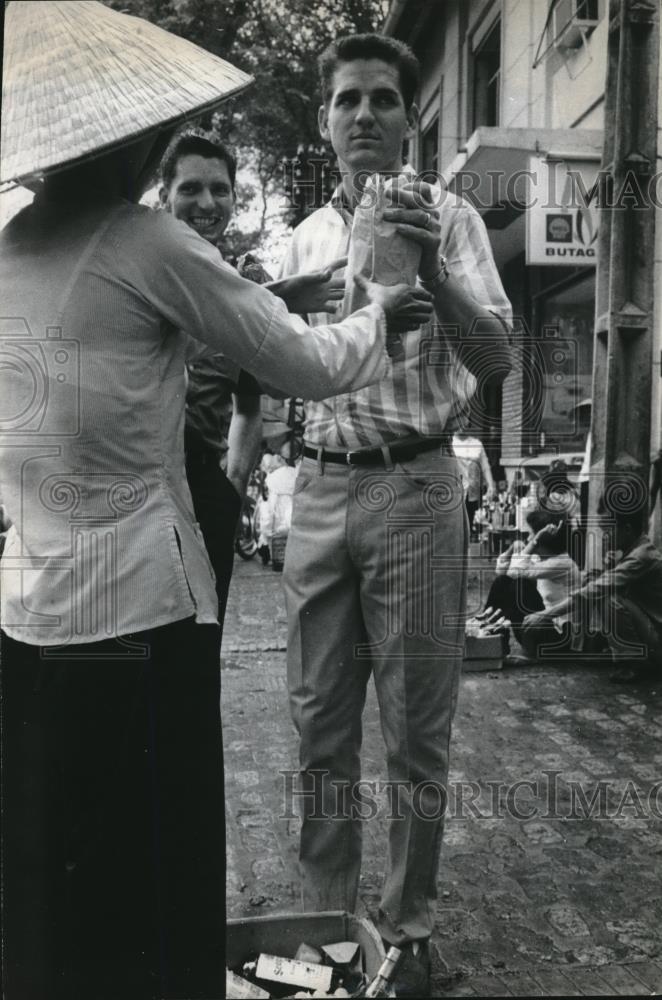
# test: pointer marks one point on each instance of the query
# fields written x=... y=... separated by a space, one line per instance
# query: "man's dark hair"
x=558 y=543
x=371 y=46
x=194 y=144
x=625 y=499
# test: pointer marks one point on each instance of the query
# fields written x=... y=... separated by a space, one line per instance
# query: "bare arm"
x=244 y=439
x=487 y=472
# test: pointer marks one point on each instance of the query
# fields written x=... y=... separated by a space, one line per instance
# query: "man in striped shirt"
x=375 y=568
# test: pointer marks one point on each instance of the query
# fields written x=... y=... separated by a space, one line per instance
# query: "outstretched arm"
x=186 y=281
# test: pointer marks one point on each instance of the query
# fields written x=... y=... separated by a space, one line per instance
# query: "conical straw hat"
x=79 y=78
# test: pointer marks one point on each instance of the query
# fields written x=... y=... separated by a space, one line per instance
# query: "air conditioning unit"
x=574 y=20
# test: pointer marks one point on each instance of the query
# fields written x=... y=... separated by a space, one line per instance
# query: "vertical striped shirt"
x=416 y=398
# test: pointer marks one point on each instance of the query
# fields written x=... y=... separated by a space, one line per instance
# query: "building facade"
x=512 y=115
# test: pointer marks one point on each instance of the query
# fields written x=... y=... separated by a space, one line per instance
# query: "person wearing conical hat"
x=113 y=832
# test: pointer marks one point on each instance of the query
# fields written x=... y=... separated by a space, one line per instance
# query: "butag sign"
x=562 y=211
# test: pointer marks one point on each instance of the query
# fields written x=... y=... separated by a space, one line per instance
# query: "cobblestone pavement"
x=542 y=891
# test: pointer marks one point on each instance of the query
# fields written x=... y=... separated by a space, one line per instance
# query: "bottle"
x=379 y=987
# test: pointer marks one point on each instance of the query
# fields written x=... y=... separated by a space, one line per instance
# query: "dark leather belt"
x=400 y=451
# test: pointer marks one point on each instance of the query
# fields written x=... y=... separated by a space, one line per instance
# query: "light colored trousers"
x=375 y=580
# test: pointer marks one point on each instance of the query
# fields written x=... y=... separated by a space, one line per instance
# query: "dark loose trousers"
x=217 y=507
x=516 y=597
x=113 y=818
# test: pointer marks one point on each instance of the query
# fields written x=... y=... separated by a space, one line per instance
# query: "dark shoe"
x=412 y=974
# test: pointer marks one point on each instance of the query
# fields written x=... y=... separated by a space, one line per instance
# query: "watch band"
x=439 y=279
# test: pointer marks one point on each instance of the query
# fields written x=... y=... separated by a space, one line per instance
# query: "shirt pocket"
x=303 y=480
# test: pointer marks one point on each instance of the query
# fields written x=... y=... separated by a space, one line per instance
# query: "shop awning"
x=491 y=173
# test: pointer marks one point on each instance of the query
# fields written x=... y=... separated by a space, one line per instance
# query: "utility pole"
x=625 y=335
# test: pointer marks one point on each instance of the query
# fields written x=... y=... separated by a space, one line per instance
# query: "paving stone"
x=648 y=772
x=247 y=778
x=555 y=983
x=649 y=973
x=637 y=934
x=590 y=982
x=267 y=866
x=541 y=833
x=490 y=986
x=589 y=713
x=623 y=982
x=464 y=989
x=523 y=985
x=253 y=817
x=612 y=726
x=567 y=921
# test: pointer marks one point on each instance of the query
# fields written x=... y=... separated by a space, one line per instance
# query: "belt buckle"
x=348 y=457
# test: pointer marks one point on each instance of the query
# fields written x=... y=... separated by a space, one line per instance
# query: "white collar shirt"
x=416 y=398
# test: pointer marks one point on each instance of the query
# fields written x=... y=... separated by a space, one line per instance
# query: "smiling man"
x=375 y=571
x=223 y=429
x=198 y=184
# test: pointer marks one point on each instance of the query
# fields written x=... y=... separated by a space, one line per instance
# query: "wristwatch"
x=440 y=278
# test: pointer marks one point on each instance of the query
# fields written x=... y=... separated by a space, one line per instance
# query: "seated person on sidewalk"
x=624 y=601
x=533 y=577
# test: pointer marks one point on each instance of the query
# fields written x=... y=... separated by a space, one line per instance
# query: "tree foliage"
x=277 y=42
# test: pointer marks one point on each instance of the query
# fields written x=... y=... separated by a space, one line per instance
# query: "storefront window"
x=487 y=79
x=565 y=356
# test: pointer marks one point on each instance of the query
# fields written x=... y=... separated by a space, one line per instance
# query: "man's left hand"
x=548 y=531
x=415 y=214
x=316 y=291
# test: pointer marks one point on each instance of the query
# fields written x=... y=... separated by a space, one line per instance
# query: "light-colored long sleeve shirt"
x=416 y=398
x=556 y=576
x=92 y=391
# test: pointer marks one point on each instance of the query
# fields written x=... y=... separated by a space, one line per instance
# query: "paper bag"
x=376 y=249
